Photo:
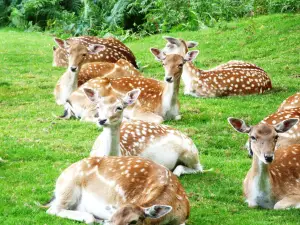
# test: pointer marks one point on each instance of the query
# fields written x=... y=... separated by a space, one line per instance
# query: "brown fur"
x=291 y=102
x=115 y=50
x=162 y=187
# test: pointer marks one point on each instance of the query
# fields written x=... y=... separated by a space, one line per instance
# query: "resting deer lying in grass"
x=273 y=179
x=120 y=190
x=70 y=81
x=158 y=101
x=232 y=78
x=291 y=102
x=159 y=143
x=115 y=50
x=293 y=135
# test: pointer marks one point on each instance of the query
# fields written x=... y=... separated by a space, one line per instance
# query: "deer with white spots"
x=70 y=80
x=273 y=180
x=159 y=143
x=291 y=102
x=232 y=78
x=73 y=51
x=293 y=135
x=157 y=102
x=121 y=191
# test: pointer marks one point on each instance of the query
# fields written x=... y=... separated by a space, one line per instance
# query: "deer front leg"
x=292 y=201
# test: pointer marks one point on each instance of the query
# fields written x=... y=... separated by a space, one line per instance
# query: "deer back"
x=230 y=79
x=293 y=135
x=291 y=102
x=104 y=69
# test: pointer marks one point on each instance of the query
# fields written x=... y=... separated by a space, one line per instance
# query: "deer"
x=291 y=102
x=232 y=78
x=70 y=81
x=75 y=51
x=160 y=143
x=157 y=102
x=119 y=190
x=273 y=179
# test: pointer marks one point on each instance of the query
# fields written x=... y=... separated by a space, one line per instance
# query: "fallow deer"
x=291 y=102
x=159 y=143
x=70 y=81
x=75 y=51
x=158 y=100
x=120 y=190
x=293 y=135
x=232 y=78
x=273 y=179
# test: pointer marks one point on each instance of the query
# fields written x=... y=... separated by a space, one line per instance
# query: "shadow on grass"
x=3 y=84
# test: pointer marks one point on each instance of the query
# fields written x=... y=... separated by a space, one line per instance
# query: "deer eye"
x=84 y=55
x=253 y=138
x=180 y=65
x=133 y=222
x=119 y=108
x=276 y=138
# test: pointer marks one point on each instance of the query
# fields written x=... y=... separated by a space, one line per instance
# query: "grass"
x=36 y=147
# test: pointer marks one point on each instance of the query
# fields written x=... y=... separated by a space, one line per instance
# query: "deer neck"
x=170 y=95
x=190 y=71
x=110 y=140
x=261 y=189
x=66 y=85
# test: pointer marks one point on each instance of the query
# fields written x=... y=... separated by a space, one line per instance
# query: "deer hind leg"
x=191 y=164
x=292 y=201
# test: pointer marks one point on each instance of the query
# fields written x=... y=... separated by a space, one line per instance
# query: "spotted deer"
x=120 y=190
x=159 y=143
x=70 y=80
x=293 y=135
x=273 y=179
x=291 y=102
x=75 y=51
x=158 y=100
x=232 y=78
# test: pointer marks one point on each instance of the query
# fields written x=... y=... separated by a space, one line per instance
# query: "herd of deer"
x=127 y=178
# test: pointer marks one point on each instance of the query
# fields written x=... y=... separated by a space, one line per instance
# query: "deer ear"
x=91 y=94
x=191 y=44
x=95 y=48
x=172 y=40
x=61 y=43
x=131 y=97
x=285 y=125
x=159 y=55
x=191 y=55
x=239 y=125
x=157 y=211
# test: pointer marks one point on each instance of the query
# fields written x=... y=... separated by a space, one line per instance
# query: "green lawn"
x=36 y=147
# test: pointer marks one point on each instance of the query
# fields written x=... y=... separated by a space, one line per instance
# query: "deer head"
x=110 y=108
x=262 y=137
x=78 y=53
x=133 y=214
x=173 y=64
x=177 y=46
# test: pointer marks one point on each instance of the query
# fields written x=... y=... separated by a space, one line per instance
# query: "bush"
x=97 y=17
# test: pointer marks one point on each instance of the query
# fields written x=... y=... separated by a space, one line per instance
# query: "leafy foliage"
x=97 y=17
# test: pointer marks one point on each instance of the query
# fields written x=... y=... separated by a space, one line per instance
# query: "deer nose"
x=269 y=158
x=73 y=68
x=102 y=122
x=169 y=79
